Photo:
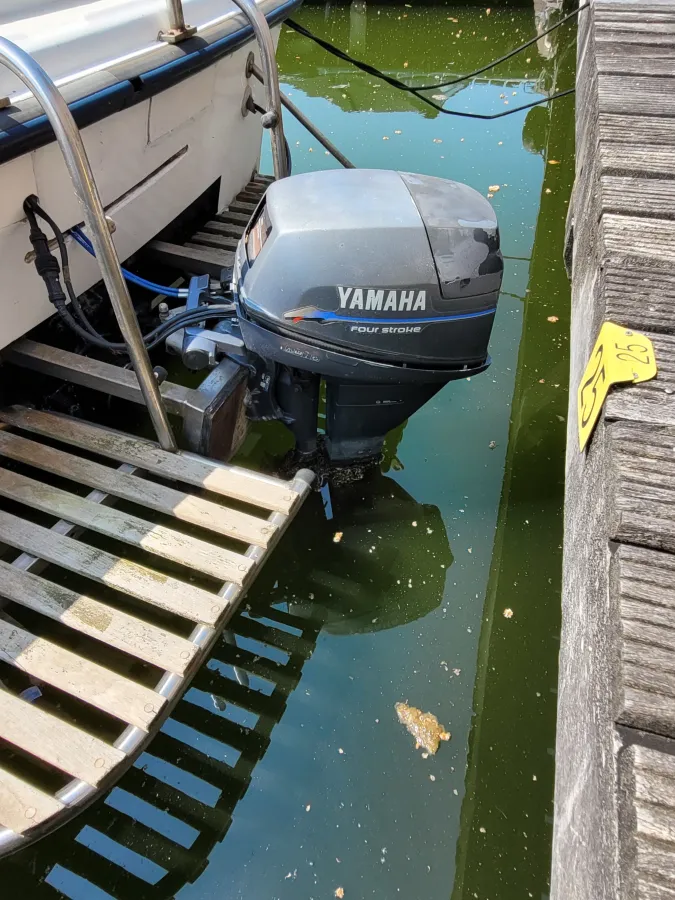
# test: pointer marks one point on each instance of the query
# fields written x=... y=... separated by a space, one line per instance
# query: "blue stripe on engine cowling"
x=328 y=316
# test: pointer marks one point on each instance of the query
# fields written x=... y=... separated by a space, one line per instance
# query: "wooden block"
x=191 y=258
x=55 y=741
x=164 y=542
x=219 y=241
x=227 y=480
x=636 y=131
x=645 y=581
x=646 y=238
x=22 y=806
x=186 y=507
x=97 y=620
x=652 y=161
x=234 y=231
x=138 y=581
x=132 y=703
x=651 y=197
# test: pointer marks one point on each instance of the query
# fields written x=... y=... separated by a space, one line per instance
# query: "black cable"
x=47 y=265
x=32 y=203
x=401 y=86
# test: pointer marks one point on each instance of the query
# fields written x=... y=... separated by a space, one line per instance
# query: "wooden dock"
x=123 y=564
x=614 y=835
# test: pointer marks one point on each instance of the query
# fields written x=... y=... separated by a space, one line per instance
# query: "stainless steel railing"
x=70 y=141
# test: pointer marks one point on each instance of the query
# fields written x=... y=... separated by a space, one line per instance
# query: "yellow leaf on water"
x=552 y=319
x=554 y=162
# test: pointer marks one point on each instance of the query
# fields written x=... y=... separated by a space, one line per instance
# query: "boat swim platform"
x=123 y=565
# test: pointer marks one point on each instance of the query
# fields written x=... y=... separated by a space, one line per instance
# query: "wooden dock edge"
x=614 y=829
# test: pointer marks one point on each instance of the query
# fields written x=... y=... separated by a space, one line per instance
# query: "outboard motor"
x=381 y=284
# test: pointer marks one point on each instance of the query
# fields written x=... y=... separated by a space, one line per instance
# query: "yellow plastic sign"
x=619 y=355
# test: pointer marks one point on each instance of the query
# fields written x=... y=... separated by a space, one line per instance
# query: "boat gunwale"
x=23 y=128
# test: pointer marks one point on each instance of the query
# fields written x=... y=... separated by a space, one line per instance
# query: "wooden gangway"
x=109 y=610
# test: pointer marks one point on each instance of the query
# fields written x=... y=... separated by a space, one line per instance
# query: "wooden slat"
x=55 y=741
x=214 y=240
x=97 y=620
x=636 y=131
x=637 y=237
x=234 y=231
x=199 y=260
x=241 y=206
x=100 y=687
x=233 y=218
x=653 y=197
x=84 y=370
x=652 y=161
x=187 y=508
x=164 y=542
x=639 y=296
x=22 y=805
x=229 y=481
x=138 y=581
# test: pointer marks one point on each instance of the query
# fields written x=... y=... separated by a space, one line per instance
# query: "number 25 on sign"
x=619 y=355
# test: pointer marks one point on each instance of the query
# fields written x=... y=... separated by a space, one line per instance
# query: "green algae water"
x=435 y=580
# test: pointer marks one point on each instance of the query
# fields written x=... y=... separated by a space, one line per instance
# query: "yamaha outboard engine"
x=381 y=284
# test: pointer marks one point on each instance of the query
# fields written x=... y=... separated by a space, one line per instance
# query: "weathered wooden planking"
x=652 y=162
x=215 y=240
x=223 y=228
x=186 y=507
x=642 y=468
x=55 y=741
x=105 y=623
x=87 y=371
x=649 y=775
x=651 y=239
x=164 y=542
x=227 y=480
x=636 y=131
x=649 y=402
x=22 y=805
x=145 y=584
x=233 y=218
x=634 y=196
x=100 y=687
x=641 y=296
x=191 y=258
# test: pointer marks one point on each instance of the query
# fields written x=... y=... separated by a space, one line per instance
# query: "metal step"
x=109 y=613
x=203 y=254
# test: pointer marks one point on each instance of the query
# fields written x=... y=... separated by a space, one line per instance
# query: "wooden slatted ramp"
x=122 y=564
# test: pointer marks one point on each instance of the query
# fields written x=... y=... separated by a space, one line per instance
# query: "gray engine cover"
x=397 y=267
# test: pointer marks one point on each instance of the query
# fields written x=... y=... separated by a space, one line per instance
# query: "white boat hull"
x=150 y=162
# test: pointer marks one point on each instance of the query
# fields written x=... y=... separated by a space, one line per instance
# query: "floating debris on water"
x=337 y=537
x=340 y=892
x=508 y=613
x=424 y=727
x=552 y=319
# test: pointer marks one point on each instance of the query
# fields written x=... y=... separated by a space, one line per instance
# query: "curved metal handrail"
x=72 y=147
x=272 y=118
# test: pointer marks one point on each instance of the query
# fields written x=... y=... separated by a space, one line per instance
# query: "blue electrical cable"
x=84 y=241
